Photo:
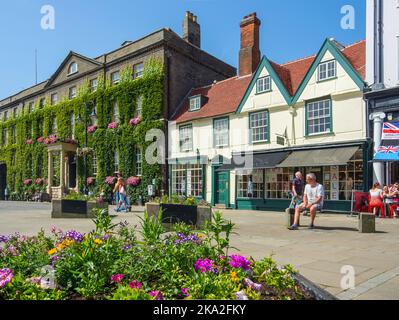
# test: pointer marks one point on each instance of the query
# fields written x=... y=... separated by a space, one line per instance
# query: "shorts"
x=318 y=208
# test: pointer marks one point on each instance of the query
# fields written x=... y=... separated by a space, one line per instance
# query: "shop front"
x=341 y=169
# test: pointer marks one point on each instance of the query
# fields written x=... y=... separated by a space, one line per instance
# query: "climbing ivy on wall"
x=31 y=158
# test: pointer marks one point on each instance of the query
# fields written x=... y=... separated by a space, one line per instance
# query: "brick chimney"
x=249 y=52
x=191 y=29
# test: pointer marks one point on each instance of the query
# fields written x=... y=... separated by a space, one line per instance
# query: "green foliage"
x=127 y=293
x=152 y=228
x=25 y=160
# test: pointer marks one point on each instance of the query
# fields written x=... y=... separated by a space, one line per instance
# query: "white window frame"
x=263 y=85
x=139 y=107
x=139 y=162
x=93 y=88
x=195 y=103
x=253 y=127
x=115 y=80
x=138 y=73
x=72 y=92
x=310 y=117
x=54 y=101
x=73 y=68
x=221 y=133
x=186 y=132
x=328 y=69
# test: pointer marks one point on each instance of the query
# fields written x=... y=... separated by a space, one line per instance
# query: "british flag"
x=390 y=130
x=389 y=149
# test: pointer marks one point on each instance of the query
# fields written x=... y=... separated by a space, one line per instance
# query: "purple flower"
x=34 y=280
x=204 y=265
x=12 y=250
x=254 y=286
x=191 y=238
x=4 y=239
x=117 y=278
x=237 y=262
x=6 y=276
x=54 y=260
x=185 y=293
x=75 y=235
x=135 y=284
x=157 y=295
x=241 y=295
x=127 y=247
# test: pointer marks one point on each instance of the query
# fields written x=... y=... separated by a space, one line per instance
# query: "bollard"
x=366 y=223
x=289 y=217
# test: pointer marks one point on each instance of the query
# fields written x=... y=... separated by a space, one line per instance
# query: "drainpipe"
x=378 y=46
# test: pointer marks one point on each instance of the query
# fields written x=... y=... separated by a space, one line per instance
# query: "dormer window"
x=73 y=68
x=263 y=85
x=195 y=103
x=327 y=70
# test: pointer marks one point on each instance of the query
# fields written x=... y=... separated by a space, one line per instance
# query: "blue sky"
x=290 y=29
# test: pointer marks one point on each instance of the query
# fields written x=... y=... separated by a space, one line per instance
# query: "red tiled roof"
x=221 y=98
x=224 y=96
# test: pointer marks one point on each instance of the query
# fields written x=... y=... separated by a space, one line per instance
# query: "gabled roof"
x=220 y=98
x=66 y=60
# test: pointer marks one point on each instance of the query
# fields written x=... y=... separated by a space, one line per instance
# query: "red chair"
x=379 y=206
x=393 y=207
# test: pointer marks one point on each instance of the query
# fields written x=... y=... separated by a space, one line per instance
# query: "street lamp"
x=86 y=116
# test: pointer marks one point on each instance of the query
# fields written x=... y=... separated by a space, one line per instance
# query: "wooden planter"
x=175 y=213
x=75 y=209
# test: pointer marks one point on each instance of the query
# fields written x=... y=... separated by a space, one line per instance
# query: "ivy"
x=31 y=159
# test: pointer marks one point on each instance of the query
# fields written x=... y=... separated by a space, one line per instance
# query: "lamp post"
x=86 y=116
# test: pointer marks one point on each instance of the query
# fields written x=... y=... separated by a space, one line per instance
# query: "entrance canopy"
x=319 y=157
x=388 y=152
x=255 y=161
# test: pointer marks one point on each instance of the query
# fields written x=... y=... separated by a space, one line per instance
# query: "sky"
x=290 y=29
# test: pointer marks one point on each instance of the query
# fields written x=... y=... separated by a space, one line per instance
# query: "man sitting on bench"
x=312 y=200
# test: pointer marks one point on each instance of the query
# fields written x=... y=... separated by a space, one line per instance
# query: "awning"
x=388 y=152
x=255 y=161
x=319 y=157
x=189 y=160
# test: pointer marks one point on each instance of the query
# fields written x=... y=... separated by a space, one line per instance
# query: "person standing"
x=313 y=200
x=297 y=190
x=250 y=188
x=376 y=197
x=6 y=194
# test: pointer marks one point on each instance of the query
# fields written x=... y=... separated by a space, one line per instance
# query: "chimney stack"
x=191 y=29
x=249 y=52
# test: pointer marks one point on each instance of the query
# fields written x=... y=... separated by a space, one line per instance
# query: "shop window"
x=187 y=180
x=278 y=183
x=250 y=184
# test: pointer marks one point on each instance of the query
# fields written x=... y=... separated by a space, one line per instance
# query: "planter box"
x=312 y=289
x=175 y=213
x=75 y=209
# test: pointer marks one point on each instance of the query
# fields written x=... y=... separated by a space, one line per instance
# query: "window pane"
x=259 y=126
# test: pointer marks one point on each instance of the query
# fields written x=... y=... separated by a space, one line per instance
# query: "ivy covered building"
x=116 y=98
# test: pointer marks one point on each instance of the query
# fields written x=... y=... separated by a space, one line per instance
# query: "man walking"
x=313 y=200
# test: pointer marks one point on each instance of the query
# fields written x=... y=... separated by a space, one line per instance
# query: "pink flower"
x=237 y=262
x=135 y=284
x=51 y=139
x=28 y=182
x=40 y=140
x=204 y=265
x=39 y=181
x=110 y=180
x=29 y=141
x=134 y=121
x=92 y=129
x=133 y=181
x=113 y=125
x=117 y=278
x=90 y=181
x=6 y=276
x=157 y=295
x=184 y=291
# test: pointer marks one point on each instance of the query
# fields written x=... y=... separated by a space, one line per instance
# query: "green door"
x=222 y=188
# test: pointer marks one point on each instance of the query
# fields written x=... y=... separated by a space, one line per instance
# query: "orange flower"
x=234 y=276
x=98 y=241
x=52 y=251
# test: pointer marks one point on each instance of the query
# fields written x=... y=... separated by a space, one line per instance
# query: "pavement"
x=327 y=255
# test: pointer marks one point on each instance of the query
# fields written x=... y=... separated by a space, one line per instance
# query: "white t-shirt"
x=314 y=193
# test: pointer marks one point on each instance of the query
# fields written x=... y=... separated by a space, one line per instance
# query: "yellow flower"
x=60 y=247
x=52 y=251
x=201 y=236
x=98 y=241
x=68 y=242
x=234 y=276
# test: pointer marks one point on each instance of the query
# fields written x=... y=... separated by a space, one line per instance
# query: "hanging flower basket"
x=51 y=139
x=84 y=151
x=134 y=121
x=113 y=125
x=90 y=181
x=92 y=129
x=70 y=141
x=110 y=180
x=133 y=181
x=29 y=142
x=40 y=140
x=39 y=181
x=28 y=182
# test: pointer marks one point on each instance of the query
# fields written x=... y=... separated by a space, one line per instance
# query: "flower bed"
x=110 y=263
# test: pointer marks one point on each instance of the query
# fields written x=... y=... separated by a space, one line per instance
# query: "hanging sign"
x=390 y=131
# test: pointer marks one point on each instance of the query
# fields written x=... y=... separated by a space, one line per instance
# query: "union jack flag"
x=389 y=149
x=390 y=128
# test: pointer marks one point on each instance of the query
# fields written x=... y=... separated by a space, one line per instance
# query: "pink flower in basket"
x=40 y=140
x=29 y=141
x=51 y=139
x=39 y=181
x=133 y=181
x=90 y=181
x=113 y=125
x=92 y=129
x=110 y=180
x=134 y=121
x=28 y=182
